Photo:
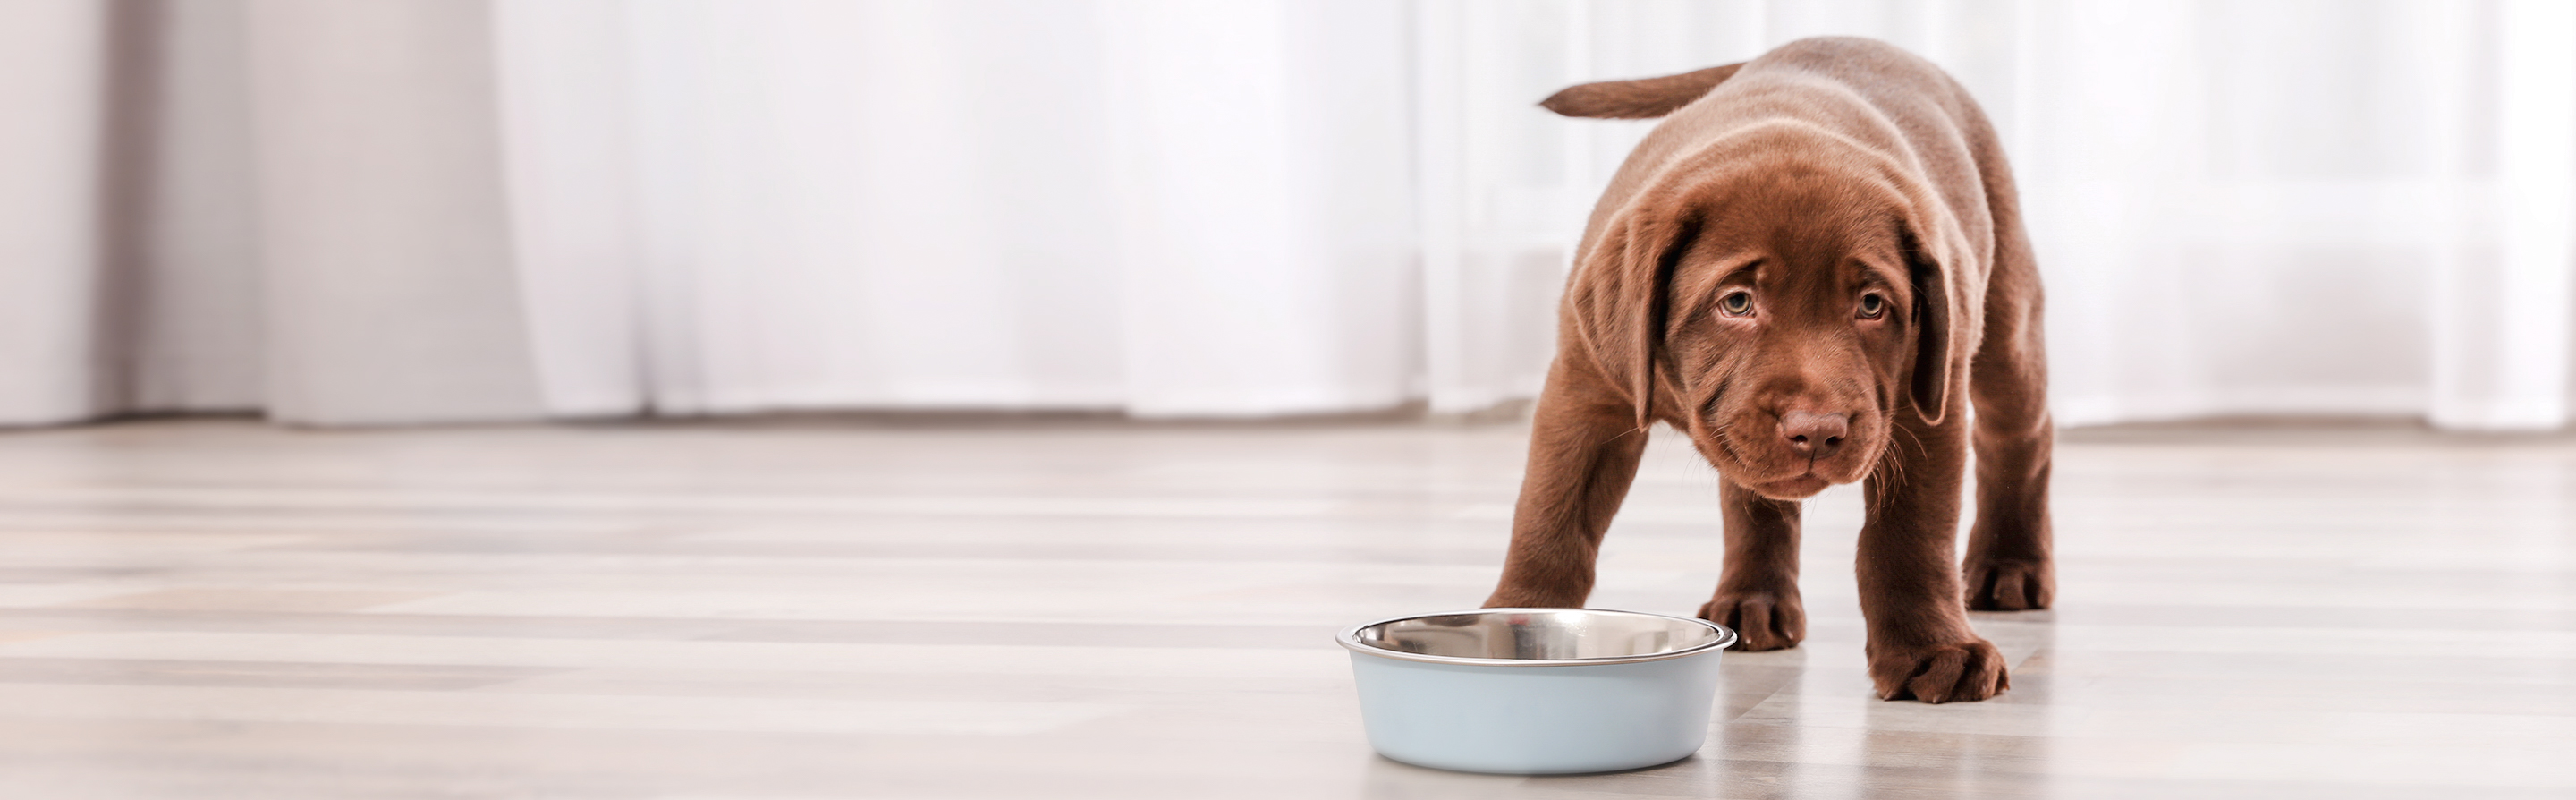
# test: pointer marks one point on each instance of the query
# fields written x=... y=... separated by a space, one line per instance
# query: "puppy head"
x=1783 y=306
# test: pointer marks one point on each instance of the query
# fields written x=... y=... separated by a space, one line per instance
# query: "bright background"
x=399 y=211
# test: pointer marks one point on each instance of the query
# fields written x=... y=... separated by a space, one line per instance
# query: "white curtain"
x=1167 y=208
x=438 y=210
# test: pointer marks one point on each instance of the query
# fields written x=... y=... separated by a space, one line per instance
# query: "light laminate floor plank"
x=1066 y=609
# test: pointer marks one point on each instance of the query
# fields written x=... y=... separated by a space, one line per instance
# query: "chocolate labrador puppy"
x=1802 y=268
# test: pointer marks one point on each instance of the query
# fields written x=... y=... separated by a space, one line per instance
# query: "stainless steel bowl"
x=1536 y=690
x=1537 y=637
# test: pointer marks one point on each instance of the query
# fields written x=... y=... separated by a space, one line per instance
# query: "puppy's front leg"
x=1757 y=590
x=1584 y=446
x=1920 y=645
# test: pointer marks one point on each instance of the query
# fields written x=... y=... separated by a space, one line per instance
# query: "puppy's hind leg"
x=1757 y=591
x=2009 y=566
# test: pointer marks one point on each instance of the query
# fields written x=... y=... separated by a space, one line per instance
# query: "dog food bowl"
x=1536 y=691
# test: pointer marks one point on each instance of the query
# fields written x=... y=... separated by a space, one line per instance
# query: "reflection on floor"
x=1089 y=609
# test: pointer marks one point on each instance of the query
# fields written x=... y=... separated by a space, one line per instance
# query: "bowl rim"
x=1350 y=640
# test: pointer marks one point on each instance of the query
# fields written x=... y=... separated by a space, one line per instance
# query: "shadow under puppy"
x=1810 y=267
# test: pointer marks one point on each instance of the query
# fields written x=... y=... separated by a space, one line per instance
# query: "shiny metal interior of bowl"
x=1552 y=634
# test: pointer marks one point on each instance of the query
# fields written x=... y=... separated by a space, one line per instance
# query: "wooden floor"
x=1078 y=609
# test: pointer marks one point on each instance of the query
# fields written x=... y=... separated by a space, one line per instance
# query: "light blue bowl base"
x=1536 y=720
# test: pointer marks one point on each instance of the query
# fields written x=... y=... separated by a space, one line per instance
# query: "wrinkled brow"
x=1893 y=277
x=1693 y=290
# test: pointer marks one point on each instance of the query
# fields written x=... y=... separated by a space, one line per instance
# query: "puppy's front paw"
x=1761 y=620
x=1965 y=670
x=2009 y=585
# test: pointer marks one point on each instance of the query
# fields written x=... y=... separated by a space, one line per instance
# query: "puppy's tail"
x=1643 y=98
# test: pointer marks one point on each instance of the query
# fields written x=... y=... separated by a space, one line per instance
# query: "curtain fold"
x=184 y=265
x=2513 y=370
x=449 y=210
x=51 y=354
x=1263 y=233
x=384 y=238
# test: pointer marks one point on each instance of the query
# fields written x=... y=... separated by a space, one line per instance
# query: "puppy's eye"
x=1736 y=304
x=1871 y=306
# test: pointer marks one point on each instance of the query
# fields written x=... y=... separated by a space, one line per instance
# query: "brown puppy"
x=1809 y=267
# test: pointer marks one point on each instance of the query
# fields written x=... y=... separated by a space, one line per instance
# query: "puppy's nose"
x=1814 y=435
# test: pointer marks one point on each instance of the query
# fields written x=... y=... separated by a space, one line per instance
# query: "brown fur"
x=1810 y=179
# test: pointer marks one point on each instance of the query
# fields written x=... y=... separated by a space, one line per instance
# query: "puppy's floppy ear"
x=1941 y=310
x=1618 y=295
x=1643 y=98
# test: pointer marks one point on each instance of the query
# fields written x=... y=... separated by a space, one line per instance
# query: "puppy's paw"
x=1761 y=620
x=1966 y=670
x=2009 y=585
